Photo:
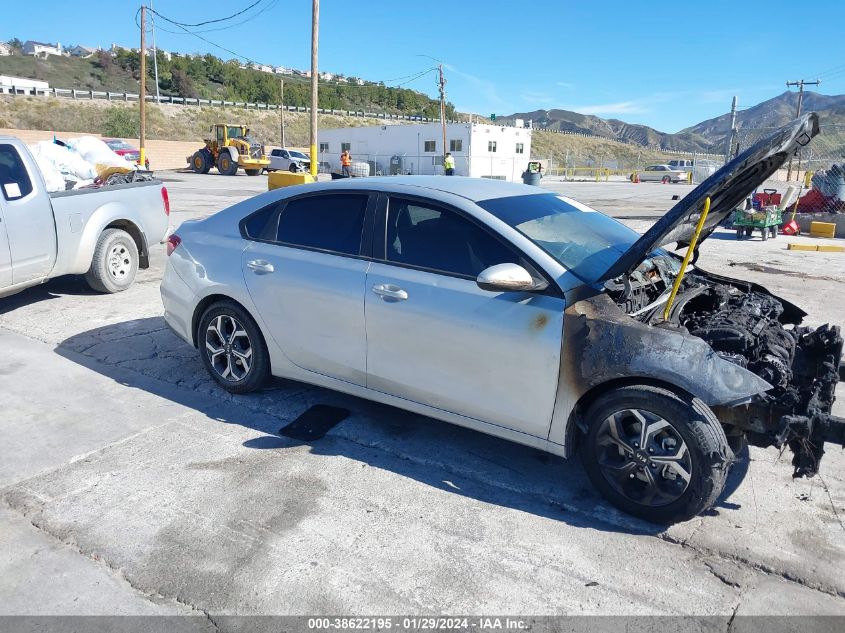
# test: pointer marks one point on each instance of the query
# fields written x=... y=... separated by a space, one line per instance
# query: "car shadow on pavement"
x=53 y=289
x=144 y=354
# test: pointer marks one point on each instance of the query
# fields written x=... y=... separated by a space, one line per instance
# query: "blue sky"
x=666 y=64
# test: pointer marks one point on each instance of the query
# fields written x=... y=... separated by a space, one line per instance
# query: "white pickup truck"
x=104 y=233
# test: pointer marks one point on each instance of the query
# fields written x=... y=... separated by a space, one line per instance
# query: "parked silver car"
x=519 y=313
x=282 y=159
x=663 y=173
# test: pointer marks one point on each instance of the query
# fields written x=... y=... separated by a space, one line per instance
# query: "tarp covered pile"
x=828 y=192
x=78 y=162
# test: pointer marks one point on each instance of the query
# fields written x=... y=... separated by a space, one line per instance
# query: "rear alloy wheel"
x=655 y=454
x=232 y=348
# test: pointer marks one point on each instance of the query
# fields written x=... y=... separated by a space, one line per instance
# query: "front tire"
x=252 y=172
x=115 y=262
x=232 y=348
x=658 y=455
x=225 y=164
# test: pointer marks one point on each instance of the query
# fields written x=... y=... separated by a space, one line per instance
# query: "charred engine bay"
x=749 y=327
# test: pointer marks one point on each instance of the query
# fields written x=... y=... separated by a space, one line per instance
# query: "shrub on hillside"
x=121 y=122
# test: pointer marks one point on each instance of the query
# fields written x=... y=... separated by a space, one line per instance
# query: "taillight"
x=165 y=198
x=172 y=243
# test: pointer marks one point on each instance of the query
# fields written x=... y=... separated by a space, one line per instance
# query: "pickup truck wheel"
x=294 y=168
x=232 y=348
x=115 y=262
x=656 y=454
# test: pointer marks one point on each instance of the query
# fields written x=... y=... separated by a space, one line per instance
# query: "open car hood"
x=726 y=188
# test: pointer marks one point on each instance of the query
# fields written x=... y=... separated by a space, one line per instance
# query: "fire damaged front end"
x=748 y=327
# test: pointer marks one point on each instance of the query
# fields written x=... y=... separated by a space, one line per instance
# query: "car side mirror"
x=508 y=278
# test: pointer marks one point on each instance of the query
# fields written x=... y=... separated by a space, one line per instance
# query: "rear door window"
x=330 y=223
x=15 y=182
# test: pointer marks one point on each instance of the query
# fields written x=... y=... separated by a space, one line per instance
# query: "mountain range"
x=708 y=136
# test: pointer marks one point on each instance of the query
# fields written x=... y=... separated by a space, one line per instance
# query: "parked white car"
x=288 y=160
x=663 y=173
x=103 y=233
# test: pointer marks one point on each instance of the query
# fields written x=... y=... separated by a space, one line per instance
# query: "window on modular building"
x=520 y=148
x=456 y=145
x=346 y=147
x=431 y=146
x=491 y=146
x=324 y=147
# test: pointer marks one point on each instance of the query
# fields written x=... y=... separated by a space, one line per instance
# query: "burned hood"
x=726 y=189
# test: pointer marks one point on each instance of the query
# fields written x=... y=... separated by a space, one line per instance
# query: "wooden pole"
x=282 y=108
x=143 y=94
x=315 y=24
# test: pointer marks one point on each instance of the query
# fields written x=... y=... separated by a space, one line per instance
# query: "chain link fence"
x=816 y=174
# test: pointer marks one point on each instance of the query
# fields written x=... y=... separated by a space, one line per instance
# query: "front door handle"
x=260 y=266
x=390 y=293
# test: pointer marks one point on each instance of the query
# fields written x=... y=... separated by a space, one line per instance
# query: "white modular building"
x=480 y=150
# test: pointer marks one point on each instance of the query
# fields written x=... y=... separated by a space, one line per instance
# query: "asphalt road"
x=131 y=484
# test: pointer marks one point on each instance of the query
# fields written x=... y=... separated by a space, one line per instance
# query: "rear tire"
x=115 y=262
x=200 y=162
x=232 y=348
x=225 y=164
x=678 y=472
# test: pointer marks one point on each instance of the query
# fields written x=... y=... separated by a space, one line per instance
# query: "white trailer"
x=480 y=150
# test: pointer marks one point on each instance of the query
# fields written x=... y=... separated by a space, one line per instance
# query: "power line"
x=234 y=15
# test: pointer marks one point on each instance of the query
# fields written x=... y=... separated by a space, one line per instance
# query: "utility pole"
x=732 y=136
x=155 y=50
x=800 y=83
x=282 y=108
x=315 y=31
x=142 y=96
x=442 y=85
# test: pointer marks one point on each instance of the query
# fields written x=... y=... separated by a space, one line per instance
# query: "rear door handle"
x=260 y=267
x=389 y=292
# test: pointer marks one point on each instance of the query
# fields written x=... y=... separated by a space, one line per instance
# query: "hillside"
x=210 y=77
x=613 y=129
x=707 y=136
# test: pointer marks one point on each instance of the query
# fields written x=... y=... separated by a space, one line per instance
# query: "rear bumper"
x=179 y=302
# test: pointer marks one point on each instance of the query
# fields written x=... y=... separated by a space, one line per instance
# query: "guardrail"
x=90 y=95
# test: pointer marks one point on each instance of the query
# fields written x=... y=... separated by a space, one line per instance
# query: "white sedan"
x=663 y=173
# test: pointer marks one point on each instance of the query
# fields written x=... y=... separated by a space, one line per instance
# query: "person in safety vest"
x=346 y=162
x=449 y=164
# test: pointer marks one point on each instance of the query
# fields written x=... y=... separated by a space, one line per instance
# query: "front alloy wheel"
x=658 y=454
x=643 y=457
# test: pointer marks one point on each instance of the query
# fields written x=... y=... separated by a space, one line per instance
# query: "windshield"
x=583 y=240
x=235 y=131
x=118 y=144
x=298 y=155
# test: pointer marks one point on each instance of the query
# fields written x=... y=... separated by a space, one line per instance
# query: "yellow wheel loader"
x=229 y=147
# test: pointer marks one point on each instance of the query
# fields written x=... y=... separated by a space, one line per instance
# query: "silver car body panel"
x=495 y=362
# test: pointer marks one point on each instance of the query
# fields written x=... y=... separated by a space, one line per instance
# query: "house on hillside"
x=281 y=70
x=82 y=51
x=326 y=76
x=41 y=49
x=5 y=49
x=480 y=150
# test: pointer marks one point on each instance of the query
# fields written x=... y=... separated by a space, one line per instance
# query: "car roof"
x=475 y=189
